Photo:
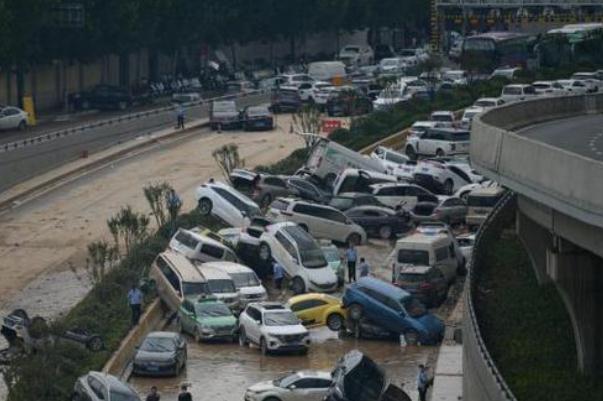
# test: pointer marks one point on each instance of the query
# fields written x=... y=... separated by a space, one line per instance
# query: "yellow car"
x=318 y=309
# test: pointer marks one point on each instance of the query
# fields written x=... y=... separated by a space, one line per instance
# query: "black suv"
x=101 y=97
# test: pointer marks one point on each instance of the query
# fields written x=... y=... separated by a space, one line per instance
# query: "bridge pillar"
x=536 y=240
x=578 y=275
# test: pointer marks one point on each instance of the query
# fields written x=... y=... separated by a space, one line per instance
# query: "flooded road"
x=222 y=372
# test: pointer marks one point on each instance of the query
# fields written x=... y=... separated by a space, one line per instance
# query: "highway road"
x=582 y=135
x=23 y=163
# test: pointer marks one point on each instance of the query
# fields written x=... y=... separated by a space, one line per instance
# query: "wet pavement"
x=222 y=372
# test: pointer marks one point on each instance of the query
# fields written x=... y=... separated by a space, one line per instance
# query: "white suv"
x=518 y=92
x=307 y=385
x=394 y=162
x=199 y=247
x=272 y=327
x=300 y=256
x=247 y=283
x=225 y=202
x=443 y=117
x=319 y=220
x=442 y=177
x=438 y=142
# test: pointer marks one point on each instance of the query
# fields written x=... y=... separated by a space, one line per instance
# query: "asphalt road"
x=582 y=135
x=19 y=165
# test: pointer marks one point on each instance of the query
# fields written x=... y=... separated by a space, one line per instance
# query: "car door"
x=389 y=315
x=286 y=254
x=253 y=322
x=388 y=196
x=310 y=217
x=187 y=316
x=428 y=143
x=309 y=311
x=4 y=120
x=307 y=389
x=12 y=117
x=445 y=261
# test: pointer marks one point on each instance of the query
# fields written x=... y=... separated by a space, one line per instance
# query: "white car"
x=97 y=386
x=294 y=79
x=391 y=96
x=466 y=242
x=438 y=142
x=574 y=86
x=306 y=385
x=590 y=79
x=465 y=190
x=198 y=247
x=413 y=57
x=403 y=195
x=300 y=256
x=436 y=228
x=246 y=282
x=509 y=73
x=272 y=327
x=456 y=77
x=517 y=92
x=395 y=163
x=13 y=118
x=549 y=88
x=394 y=66
x=418 y=128
x=468 y=115
x=356 y=55
x=225 y=202
x=444 y=117
x=308 y=90
x=440 y=177
x=488 y=103
x=321 y=95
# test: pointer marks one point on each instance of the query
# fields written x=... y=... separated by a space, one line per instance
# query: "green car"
x=207 y=318
x=333 y=257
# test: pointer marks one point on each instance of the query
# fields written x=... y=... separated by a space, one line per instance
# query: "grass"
x=527 y=329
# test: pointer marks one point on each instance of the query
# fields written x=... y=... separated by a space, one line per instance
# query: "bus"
x=571 y=44
x=485 y=52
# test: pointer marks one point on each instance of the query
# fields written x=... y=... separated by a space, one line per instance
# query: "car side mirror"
x=292 y=387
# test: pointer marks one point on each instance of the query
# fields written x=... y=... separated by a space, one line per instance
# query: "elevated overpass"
x=550 y=153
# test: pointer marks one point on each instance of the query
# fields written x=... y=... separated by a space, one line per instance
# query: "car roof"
x=211 y=272
x=203 y=238
x=184 y=267
x=373 y=207
x=315 y=374
x=381 y=286
x=311 y=296
x=111 y=381
x=447 y=112
x=517 y=85
x=486 y=191
x=229 y=267
x=162 y=334
x=420 y=238
x=269 y=306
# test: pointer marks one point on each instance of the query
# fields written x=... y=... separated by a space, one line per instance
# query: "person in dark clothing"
x=184 y=394
x=351 y=256
x=153 y=395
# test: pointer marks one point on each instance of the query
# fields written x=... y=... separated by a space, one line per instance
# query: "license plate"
x=153 y=368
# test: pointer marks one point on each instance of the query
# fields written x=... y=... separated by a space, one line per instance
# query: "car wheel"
x=411 y=337
x=335 y=321
x=205 y=206
x=243 y=338
x=197 y=335
x=354 y=238
x=448 y=186
x=385 y=232
x=440 y=153
x=355 y=311
x=122 y=105
x=22 y=125
x=263 y=346
x=410 y=152
x=95 y=344
x=266 y=201
x=264 y=252
x=298 y=286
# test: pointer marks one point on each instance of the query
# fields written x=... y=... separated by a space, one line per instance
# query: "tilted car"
x=161 y=353
x=199 y=247
x=380 y=222
x=97 y=386
x=308 y=188
x=348 y=200
x=225 y=202
x=318 y=310
x=307 y=385
x=259 y=187
x=207 y=318
x=438 y=142
x=450 y=210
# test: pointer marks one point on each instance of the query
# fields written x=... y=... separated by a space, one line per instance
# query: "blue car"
x=394 y=309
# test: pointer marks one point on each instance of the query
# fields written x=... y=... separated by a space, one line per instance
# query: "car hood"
x=322 y=275
x=262 y=387
x=252 y=290
x=146 y=356
x=432 y=323
x=282 y=330
x=218 y=321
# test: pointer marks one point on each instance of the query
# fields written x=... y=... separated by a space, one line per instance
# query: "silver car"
x=97 y=386
x=451 y=210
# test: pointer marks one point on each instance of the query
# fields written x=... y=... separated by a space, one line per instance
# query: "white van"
x=220 y=285
x=426 y=250
x=356 y=180
x=327 y=70
x=248 y=284
x=480 y=203
x=517 y=92
x=175 y=278
x=199 y=247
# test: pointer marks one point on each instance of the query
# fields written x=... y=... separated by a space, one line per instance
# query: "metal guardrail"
x=517 y=3
x=505 y=205
x=51 y=136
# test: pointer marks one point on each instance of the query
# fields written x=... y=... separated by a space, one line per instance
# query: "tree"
x=101 y=258
x=307 y=124
x=128 y=228
x=157 y=195
x=227 y=157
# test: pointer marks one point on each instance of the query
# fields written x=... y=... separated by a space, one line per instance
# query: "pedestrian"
x=153 y=395
x=423 y=382
x=364 y=268
x=278 y=275
x=174 y=203
x=351 y=256
x=135 y=302
x=184 y=394
x=180 y=118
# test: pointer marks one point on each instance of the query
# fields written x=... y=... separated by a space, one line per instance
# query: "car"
x=426 y=283
x=246 y=282
x=413 y=57
x=98 y=386
x=224 y=114
x=466 y=242
x=401 y=194
x=348 y=200
x=418 y=128
x=294 y=80
x=394 y=162
x=308 y=90
x=356 y=55
x=488 y=103
x=101 y=97
x=220 y=285
x=421 y=249
x=438 y=142
x=335 y=261
x=435 y=228
x=257 y=118
x=346 y=103
x=444 y=117
x=450 y=210
x=469 y=114
x=481 y=201
x=309 y=188
x=391 y=96
x=321 y=221
x=549 y=88
x=259 y=187
x=161 y=353
x=509 y=73
x=285 y=98
x=199 y=247
x=212 y=235
x=591 y=79
x=330 y=71
x=393 y=309
x=456 y=77
x=304 y=385
x=300 y=256
x=318 y=310
x=13 y=118
x=360 y=180
x=441 y=176
x=207 y=318
x=517 y=92
x=380 y=222
x=273 y=327
x=225 y=202
x=573 y=86
x=391 y=66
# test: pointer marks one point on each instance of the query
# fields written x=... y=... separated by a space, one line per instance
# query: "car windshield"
x=331 y=254
x=485 y=103
x=541 y=86
x=157 y=344
x=454 y=75
x=285 y=381
x=482 y=201
x=442 y=118
x=117 y=395
x=258 y=111
x=192 y=289
x=248 y=279
x=471 y=114
x=283 y=318
x=311 y=254
x=351 y=49
x=212 y=309
x=221 y=286
x=465 y=241
x=413 y=307
x=341 y=202
x=224 y=106
x=411 y=277
x=413 y=257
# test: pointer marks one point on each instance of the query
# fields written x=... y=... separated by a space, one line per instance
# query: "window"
x=413 y=257
x=97 y=387
x=305 y=86
x=371 y=213
x=460 y=173
x=529 y=90
x=322 y=383
x=289 y=247
x=309 y=304
x=441 y=254
x=275 y=182
x=303 y=185
x=279 y=204
x=187 y=240
x=221 y=286
x=390 y=303
x=254 y=314
x=332 y=215
x=304 y=208
x=304 y=383
x=235 y=201
x=392 y=157
x=212 y=250
x=169 y=274
x=388 y=191
x=453 y=202
x=10 y=111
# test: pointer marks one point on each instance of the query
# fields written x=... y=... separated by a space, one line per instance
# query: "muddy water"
x=222 y=372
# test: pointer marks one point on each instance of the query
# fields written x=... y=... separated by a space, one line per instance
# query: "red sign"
x=329 y=126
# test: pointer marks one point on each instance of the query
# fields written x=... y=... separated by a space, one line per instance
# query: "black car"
x=285 y=99
x=380 y=222
x=348 y=103
x=224 y=115
x=161 y=353
x=425 y=283
x=101 y=97
x=309 y=189
x=257 y=118
x=348 y=200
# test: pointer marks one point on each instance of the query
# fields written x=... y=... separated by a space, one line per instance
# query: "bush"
x=288 y=165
